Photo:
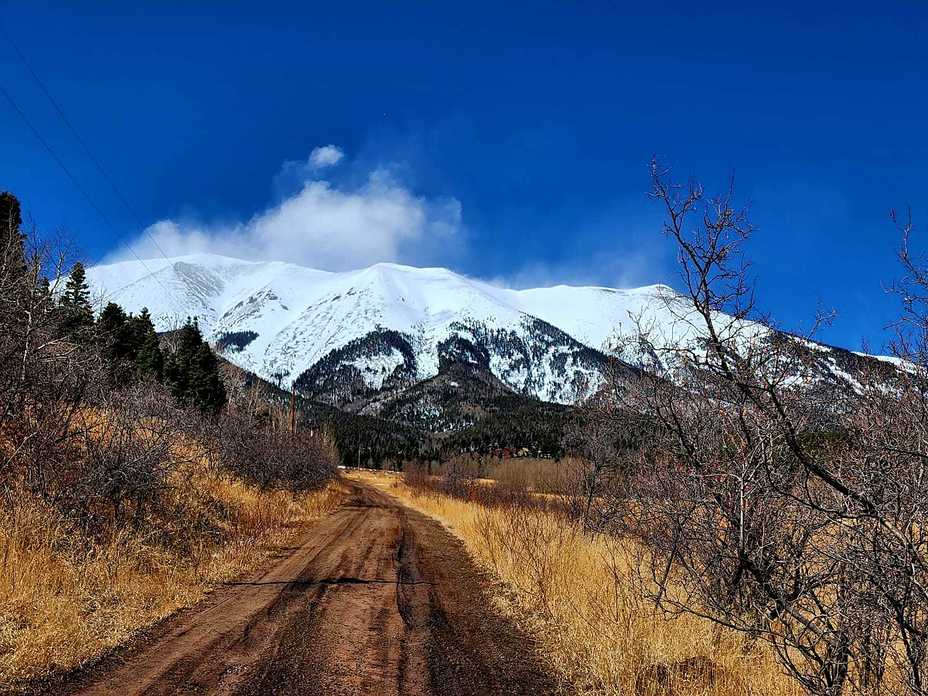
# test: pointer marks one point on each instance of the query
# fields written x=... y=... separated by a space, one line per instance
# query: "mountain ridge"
x=360 y=339
x=280 y=320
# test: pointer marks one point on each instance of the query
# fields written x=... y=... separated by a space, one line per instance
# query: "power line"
x=73 y=179
x=77 y=136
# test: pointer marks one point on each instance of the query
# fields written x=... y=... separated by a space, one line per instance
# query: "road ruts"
x=376 y=599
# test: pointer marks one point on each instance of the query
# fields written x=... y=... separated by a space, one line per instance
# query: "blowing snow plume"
x=323 y=225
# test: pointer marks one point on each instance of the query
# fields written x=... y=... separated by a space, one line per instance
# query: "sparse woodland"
x=131 y=477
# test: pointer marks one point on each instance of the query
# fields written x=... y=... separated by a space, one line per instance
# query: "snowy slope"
x=340 y=336
x=279 y=320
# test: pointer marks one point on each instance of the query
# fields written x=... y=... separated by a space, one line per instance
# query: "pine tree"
x=12 y=239
x=111 y=330
x=112 y=320
x=176 y=365
x=130 y=345
x=134 y=335
x=192 y=371
x=149 y=359
x=75 y=303
x=76 y=291
x=209 y=392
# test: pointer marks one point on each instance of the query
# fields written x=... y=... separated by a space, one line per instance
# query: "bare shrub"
x=544 y=476
x=125 y=442
x=251 y=441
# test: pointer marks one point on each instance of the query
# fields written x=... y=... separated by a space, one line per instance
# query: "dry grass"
x=572 y=592
x=536 y=475
x=65 y=599
x=522 y=473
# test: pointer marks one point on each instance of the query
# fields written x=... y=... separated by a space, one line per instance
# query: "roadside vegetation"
x=133 y=476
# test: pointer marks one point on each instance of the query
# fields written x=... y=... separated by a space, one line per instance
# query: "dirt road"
x=376 y=599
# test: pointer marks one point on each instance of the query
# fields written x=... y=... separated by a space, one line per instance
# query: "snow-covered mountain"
x=346 y=336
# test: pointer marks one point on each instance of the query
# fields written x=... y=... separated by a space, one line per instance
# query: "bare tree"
x=768 y=499
x=126 y=443
x=608 y=435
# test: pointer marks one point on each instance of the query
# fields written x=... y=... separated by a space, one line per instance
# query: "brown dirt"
x=377 y=599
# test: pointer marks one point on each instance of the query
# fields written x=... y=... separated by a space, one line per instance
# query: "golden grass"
x=537 y=475
x=522 y=473
x=571 y=591
x=65 y=599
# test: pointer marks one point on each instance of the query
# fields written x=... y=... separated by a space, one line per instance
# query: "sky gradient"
x=509 y=143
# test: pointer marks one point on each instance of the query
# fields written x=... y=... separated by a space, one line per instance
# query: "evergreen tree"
x=209 y=391
x=112 y=321
x=177 y=366
x=12 y=239
x=136 y=330
x=76 y=291
x=130 y=344
x=192 y=371
x=75 y=303
x=111 y=333
x=149 y=359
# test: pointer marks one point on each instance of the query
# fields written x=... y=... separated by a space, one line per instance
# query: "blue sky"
x=507 y=142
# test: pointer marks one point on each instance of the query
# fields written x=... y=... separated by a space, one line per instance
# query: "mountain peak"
x=294 y=317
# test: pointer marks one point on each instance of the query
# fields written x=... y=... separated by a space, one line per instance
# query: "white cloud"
x=321 y=221
x=325 y=156
x=294 y=173
x=325 y=226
